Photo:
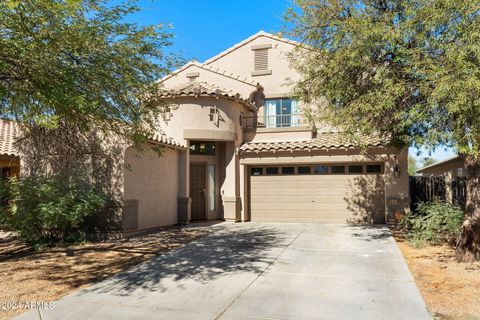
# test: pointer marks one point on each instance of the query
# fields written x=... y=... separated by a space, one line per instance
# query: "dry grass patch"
x=55 y=272
x=450 y=289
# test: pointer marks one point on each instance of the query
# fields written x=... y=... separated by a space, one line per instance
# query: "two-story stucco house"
x=238 y=148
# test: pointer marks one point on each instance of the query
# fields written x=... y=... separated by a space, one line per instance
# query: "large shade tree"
x=79 y=79
x=78 y=65
x=407 y=68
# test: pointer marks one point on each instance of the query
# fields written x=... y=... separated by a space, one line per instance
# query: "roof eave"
x=213 y=96
x=168 y=145
x=291 y=150
x=10 y=155
x=440 y=163
x=209 y=68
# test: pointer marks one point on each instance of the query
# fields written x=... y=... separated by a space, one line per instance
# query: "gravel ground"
x=450 y=289
x=48 y=275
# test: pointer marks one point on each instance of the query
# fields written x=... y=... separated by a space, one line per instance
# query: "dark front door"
x=198 y=190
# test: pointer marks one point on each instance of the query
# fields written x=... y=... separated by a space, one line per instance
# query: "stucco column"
x=397 y=198
x=244 y=214
x=231 y=186
x=184 y=211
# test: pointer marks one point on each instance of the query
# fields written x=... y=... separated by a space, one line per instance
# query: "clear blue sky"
x=204 y=28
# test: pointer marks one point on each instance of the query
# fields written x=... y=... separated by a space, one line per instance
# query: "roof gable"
x=197 y=72
x=235 y=69
x=247 y=41
x=276 y=75
x=212 y=69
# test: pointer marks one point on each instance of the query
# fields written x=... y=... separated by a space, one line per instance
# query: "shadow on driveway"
x=227 y=251
x=371 y=232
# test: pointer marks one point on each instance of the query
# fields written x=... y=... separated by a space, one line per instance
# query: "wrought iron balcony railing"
x=274 y=121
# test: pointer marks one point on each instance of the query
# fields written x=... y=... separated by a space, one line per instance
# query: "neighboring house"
x=241 y=150
x=9 y=157
x=454 y=165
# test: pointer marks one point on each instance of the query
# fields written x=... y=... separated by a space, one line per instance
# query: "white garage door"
x=352 y=193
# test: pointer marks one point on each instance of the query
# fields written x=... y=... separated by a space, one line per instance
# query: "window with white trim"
x=281 y=112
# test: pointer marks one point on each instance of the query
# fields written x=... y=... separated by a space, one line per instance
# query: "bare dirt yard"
x=450 y=289
x=48 y=275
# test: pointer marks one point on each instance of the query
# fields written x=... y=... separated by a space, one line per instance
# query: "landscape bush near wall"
x=433 y=222
x=89 y=155
x=50 y=209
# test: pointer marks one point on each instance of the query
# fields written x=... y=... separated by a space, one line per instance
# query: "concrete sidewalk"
x=260 y=271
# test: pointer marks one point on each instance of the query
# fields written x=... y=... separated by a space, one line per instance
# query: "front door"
x=198 y=190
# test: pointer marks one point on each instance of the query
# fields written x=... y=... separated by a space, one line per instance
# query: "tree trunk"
x=468 y=242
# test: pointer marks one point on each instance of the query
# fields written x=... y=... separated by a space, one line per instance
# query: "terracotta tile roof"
x=10 y=129
x=213 y=69
x=228 y=74
x=201 y=88
x=323 y=141
x=158 y=137
x=8 y=133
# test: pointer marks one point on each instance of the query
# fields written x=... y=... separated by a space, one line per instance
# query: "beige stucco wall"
x=241 y=62
x=193 y=120
x=397 y=197
x=278 y=134
x=153 y=181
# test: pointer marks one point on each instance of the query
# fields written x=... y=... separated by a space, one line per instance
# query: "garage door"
x=352 y=193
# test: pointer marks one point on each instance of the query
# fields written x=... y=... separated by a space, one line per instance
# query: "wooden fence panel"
x=459 y=191
x=426 y=189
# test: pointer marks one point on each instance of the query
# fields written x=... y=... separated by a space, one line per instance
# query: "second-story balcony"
x=274 y=121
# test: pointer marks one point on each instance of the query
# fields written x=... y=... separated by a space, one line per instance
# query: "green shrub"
x=434 y=222
x=49 y=209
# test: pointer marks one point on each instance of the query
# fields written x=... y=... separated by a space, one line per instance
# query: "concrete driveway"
x=260 y=271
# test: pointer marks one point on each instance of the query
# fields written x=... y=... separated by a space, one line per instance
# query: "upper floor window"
x=281 y=113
